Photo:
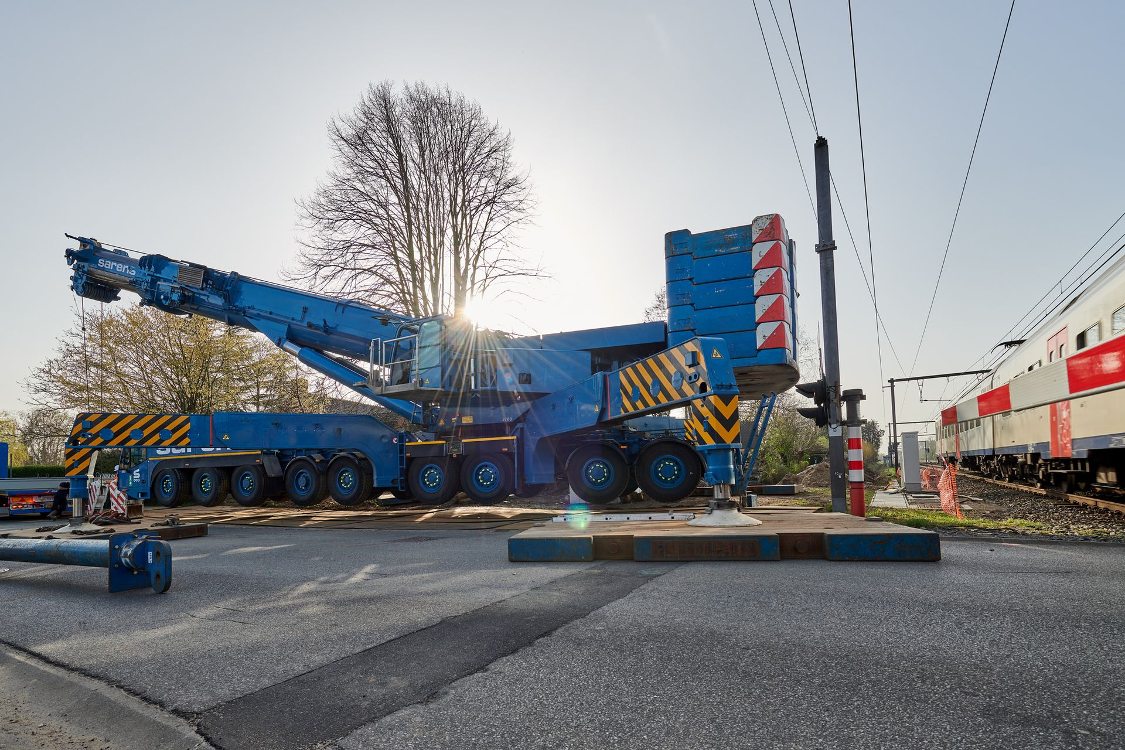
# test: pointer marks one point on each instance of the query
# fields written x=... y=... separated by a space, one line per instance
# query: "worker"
x=61 y=500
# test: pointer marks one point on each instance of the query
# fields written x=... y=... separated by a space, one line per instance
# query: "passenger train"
x=1053 y=411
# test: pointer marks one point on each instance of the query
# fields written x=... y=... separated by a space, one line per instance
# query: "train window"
x=1089 y=337
x=1062 y=351
x=1118 y=320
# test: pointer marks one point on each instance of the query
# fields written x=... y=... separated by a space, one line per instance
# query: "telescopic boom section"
x=312 y=327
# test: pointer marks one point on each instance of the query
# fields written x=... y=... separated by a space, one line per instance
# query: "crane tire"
x=668 y=471
x=210 y=485
x=248 y=485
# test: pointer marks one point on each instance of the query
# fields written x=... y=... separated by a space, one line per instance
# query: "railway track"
x=1094 y=502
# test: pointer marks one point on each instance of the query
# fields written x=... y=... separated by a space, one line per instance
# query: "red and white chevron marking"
x=117 y=498
x=1094 y=370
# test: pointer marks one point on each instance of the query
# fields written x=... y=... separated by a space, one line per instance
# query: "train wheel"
x=433 y=481
x=1063 y=483
x=668 y=472
x=348 y=483
x=305 y=485
x=248 y=485
x=487 y=479
x=169 y=488
x=597 y=473
x=210 y=486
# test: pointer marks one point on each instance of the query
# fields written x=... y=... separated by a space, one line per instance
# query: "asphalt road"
x=285 y=638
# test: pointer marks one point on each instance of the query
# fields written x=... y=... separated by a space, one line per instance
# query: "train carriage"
x=1053 y=412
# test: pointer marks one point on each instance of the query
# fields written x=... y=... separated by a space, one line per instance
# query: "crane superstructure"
x=489 y=412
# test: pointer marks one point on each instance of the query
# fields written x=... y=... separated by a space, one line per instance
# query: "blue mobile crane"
x=490 y=413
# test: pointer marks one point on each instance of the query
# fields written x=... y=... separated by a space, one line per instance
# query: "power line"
x=784 y=111
x=866 y=204
x=807 y=102
x=839 y=202
x=863 y=271
x=964 y=185
x=804 y=70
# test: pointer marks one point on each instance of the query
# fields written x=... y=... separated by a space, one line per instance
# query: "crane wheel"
x=487 y=478
x=248 y=485
x=305 y=484
x=668 y=471
x=349 y=483
x=598 y=473
x=169 y=488
x=210 y=485
x=432 y=481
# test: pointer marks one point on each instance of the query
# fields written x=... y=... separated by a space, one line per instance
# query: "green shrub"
x=48 y=470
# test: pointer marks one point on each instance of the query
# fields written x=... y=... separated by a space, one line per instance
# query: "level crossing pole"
x=852 y=398
x=826 y=250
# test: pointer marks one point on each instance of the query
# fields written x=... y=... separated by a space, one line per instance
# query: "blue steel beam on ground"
x=134 y=560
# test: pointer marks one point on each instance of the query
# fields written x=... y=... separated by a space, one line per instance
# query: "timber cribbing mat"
x=463 y=517
x=785 y=534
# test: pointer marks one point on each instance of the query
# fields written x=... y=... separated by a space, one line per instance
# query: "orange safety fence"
x=929 y=478
x=947 y=489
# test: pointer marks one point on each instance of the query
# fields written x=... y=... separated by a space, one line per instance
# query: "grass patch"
x=935 y=519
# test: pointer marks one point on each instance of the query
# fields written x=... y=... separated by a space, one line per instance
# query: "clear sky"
x=190 y=129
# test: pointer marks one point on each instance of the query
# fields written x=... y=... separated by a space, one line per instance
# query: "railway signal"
x=817 y=390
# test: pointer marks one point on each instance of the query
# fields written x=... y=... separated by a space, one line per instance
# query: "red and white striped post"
x=851 y=399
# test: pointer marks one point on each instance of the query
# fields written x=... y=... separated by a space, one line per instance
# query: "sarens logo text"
x=116 y=267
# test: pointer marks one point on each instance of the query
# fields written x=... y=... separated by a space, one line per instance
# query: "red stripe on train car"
x=1097 y=367
x=994 y=401
x=949 y=416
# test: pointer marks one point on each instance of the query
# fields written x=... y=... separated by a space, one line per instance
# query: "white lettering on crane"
x=116 y=267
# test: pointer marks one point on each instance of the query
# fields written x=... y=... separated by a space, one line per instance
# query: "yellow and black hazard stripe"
x=713 y=421
x=670 y=376
x=96 y=430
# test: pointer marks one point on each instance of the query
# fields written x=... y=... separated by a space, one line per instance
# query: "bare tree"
x=657 y=310
x=421 y=208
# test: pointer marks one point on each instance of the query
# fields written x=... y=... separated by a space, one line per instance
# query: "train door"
x=1059 y=412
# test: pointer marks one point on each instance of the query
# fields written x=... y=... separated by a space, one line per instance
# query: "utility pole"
x=826 y=249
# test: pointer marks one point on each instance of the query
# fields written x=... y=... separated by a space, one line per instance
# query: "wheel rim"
x=205 y=484
x=167 y=486
x=667 y=472
x=486 y=477
x=597 y=473
x=246 y=482
x=303 y=481
x=346 y=479
x=431 y=478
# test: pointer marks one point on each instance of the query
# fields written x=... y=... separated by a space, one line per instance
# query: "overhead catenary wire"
x=1063 y=296
x=964 y=185
x=1062 y=278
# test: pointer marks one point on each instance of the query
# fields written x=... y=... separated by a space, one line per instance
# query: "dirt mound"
x=816 y=475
